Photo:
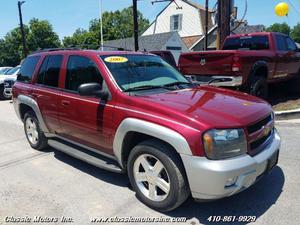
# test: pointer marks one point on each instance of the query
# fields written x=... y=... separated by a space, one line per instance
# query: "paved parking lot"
x=52 y=184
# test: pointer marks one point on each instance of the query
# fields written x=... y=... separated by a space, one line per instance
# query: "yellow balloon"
x=282 y=9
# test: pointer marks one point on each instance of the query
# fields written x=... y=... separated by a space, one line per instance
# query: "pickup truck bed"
x=249 y=62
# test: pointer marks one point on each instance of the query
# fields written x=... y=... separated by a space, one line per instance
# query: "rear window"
x=49 y=72
x=247 y=43
x=28 y=68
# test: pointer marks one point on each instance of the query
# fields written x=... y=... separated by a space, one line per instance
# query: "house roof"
x=147 y=42
x=190 y=41
x=196 y=5
x=249 y=29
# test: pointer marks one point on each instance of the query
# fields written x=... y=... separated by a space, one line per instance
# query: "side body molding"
x=136 y=125
x=22 y=99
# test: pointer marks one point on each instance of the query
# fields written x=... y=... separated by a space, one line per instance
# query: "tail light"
x=236 y=65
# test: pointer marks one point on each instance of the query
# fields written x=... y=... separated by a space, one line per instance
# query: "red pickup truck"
x=131 y=112
x=248 y=61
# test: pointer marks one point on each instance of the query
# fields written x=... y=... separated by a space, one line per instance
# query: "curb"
x=288 y=114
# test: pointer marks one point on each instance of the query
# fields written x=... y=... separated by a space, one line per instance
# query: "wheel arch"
x=260 y=68
x=24 y=103
x=133 y=131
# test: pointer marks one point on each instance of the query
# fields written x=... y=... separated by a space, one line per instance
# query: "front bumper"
x=208 y=179
x=233 y=81
x=8 y=92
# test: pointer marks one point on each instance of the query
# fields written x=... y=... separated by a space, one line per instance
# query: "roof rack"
x=79 y=47
x=54 y=49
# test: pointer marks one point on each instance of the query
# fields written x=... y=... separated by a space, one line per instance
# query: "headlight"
x=223 y=144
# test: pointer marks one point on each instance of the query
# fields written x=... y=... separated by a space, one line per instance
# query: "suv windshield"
x=140 y=72
x=247 y=43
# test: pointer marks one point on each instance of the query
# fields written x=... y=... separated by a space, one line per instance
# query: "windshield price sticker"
x=116 y=59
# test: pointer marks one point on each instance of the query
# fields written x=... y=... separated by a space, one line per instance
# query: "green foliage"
x=280 y=27
x=116 y=25
x=83 y=38
x=39 y=35
x=295 y=34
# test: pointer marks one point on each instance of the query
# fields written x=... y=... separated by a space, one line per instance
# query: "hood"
x=4 y=77
x=209 y=107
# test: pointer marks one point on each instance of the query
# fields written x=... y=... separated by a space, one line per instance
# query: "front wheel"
x=157 y=176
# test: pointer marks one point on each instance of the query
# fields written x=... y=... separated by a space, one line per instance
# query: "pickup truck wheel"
x=157 y=176
x=34 y=134
x=3 y=96
x=259 y=87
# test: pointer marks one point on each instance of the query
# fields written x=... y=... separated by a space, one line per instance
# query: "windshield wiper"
x=147 y=87
x=177 y=83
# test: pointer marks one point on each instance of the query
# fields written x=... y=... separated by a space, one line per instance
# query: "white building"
x=183 y=16
x=170 y=41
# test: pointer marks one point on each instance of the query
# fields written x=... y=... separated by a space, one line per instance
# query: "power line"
x=298 y=12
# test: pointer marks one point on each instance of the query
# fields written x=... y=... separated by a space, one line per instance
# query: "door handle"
x=65 y=103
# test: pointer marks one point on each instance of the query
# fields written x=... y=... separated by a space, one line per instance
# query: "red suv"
x=133 y=113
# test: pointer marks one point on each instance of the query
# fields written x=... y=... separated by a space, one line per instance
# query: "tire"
x=171 y=171
x=2 y=95
x=35 y=136
x=259 y=87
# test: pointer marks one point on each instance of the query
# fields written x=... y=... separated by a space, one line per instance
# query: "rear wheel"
x=157 y=176
x=259 y=87
x=34 y=134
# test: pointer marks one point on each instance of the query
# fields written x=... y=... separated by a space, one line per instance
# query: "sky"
x=68 y=15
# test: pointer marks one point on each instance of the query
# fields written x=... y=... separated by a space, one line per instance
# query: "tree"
x=280 y=27
x=295 y=33
x=39 y=34
x=116 y=25
x=81 y=37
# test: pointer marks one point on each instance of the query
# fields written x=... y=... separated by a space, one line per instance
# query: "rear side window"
x=81 y=70
x=49 y=72
x=27 y=69
x=247 y=43
x=280 y=42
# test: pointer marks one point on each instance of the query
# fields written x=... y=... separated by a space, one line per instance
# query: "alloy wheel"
x=151 y=177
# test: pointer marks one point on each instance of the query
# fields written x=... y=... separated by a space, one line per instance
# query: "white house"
x=183 y=16
x=170 y=41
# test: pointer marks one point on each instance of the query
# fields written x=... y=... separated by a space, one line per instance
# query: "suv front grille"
x=257 y=126
x=260 y=134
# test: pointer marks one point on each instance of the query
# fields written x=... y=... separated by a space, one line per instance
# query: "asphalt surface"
x=54 y=185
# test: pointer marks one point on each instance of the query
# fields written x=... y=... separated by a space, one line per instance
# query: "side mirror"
x=92 y=90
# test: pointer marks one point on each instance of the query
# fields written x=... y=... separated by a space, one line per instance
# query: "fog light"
x=230 y=182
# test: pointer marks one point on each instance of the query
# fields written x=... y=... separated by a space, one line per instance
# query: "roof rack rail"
x=54 y=49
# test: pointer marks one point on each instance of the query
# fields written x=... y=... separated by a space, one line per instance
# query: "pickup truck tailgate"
x=207 y=63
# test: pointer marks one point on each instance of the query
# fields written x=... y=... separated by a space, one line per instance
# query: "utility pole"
x=101 y=24
x=206 y=25
x=22 y=28
x=224 y=13
x=135 y=25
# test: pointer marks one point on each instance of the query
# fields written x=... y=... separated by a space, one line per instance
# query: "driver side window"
x=291 y=44
x=81 y=70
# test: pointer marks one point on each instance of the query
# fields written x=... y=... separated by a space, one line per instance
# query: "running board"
x=86 y=156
